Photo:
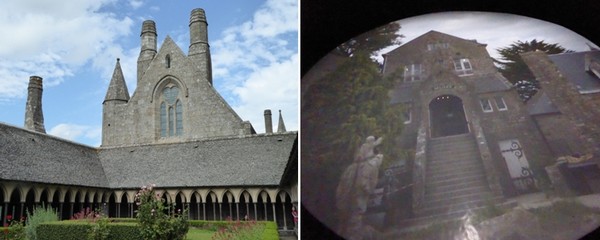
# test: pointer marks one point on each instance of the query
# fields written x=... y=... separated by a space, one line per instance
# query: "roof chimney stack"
x=268 y=122
x=34 y=117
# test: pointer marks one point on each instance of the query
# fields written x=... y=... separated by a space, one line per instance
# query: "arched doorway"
x=447 y=116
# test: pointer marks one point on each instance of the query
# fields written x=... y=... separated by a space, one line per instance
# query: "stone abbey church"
x=174 y=131
x=475 y=141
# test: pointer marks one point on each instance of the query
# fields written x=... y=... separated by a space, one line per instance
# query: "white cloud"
x=78 y=133
x=257 y=62
x=52 y=41
x=274 y=87
x=135 y=4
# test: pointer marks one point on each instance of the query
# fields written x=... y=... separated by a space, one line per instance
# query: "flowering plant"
x=153 y=219
x=17 y=229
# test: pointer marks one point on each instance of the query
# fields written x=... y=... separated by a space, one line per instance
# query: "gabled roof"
x=35 y=157
x=572 y=66
x=434 y=35
x=247 y=161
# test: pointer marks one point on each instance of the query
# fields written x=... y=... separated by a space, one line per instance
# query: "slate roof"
x=35 y=157
x=572 y=66
x=541 y=104
x=491 y=83
x=258 y=160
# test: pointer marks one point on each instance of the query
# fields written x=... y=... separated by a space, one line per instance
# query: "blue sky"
x=254 y=46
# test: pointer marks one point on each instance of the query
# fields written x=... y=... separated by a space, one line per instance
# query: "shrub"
x=154 y=222
x=40 y=215
x=99 y=230
x=79 y=229
x=14 y=231
x=63 y=230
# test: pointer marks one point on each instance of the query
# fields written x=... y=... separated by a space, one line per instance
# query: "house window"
x=433 y=46
x=406 y=114
x=500 y=104
x=171 y=112
x=485 y=105
x=168 y=61
x=412 y=72
x=463 y=67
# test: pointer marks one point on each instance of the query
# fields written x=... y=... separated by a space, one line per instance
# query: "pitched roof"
x=258 y=160
x=541 y=104
x=491 y=83
x=117 y=89
x=572 y=66
x=35 y=157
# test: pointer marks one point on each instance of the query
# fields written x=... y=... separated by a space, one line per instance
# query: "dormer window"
x=413 y=72
x=463 y=67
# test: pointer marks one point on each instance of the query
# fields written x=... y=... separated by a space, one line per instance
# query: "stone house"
x=474 y=140
x=175 y=131
x=566 y=110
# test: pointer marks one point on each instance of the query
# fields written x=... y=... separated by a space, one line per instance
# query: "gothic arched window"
x=171 y=112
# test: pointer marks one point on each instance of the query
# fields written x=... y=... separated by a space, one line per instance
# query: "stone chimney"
x=199 y=51
x=268 y=122
x=34 y=117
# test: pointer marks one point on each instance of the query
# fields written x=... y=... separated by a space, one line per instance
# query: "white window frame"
x=489 y=104
x=503 y=103
x=463 y=67
x=412 y=72
x=407 y=109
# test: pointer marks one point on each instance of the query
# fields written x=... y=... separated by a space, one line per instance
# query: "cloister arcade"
x=272 y=204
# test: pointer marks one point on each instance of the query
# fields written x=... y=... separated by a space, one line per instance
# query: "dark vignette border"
x=326 y=24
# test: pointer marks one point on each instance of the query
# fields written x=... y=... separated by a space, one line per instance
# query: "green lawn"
x=199 y=234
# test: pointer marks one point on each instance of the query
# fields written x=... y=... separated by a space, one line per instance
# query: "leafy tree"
x=512 y=66
x=372 y=41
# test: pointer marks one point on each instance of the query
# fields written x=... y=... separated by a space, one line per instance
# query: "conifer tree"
x=513 y=68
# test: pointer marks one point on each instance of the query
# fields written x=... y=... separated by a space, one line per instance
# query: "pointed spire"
x=117 y=90
x=281 y=125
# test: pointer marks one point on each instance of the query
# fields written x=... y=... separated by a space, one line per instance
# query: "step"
x=456 y=186
x=454 y=149
x=456 y=167
x=443 y=210
x=454 y=200
x=478 y=188
x=433 y=179
x=445 y=158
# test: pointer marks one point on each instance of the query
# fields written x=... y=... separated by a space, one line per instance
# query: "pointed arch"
x=195 y=205
x=210 y=206
x=124 y=206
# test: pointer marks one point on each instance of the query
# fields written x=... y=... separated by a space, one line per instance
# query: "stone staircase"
x=455 y=179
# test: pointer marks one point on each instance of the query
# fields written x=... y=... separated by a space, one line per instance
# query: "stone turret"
x=148 y=48
x=34 y=117
x=199 y=51
x=113 y=106
x=280 y=124
x=268 y=122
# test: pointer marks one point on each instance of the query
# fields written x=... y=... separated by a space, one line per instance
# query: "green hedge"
x=79 y=230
